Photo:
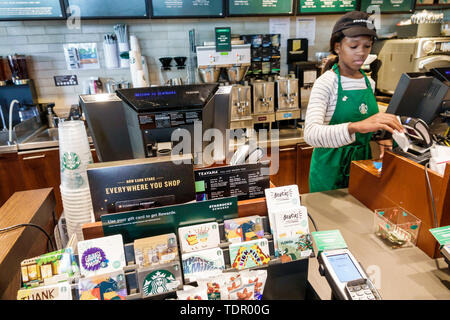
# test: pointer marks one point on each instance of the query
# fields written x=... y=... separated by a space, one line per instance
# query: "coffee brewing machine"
x=287 y=98
x=263 y=97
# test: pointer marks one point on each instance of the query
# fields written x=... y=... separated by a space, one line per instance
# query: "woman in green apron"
x=342 y=112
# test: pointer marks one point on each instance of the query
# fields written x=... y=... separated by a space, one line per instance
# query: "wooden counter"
x=36 y=207
x=400 y=274
x=403 y=183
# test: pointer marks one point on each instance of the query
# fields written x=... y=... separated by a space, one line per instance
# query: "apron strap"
x=336 y=70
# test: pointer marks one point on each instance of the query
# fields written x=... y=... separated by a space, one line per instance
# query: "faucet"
x=11 y=106
x=3 y=118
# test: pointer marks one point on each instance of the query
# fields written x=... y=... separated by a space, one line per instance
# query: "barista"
x=342 y=112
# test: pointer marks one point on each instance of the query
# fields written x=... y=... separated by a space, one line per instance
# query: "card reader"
x=346 y=277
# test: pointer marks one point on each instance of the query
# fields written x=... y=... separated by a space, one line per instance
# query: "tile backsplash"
x=43 y=42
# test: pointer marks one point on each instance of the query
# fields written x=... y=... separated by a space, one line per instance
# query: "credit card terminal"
x=346 y=277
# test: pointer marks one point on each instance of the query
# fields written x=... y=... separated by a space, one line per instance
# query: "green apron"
x=330 y=167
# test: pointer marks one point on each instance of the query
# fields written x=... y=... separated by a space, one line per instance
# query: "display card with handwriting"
x=58 y=291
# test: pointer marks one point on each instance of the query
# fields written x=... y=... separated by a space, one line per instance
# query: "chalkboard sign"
x=105 y=9
x=389 y=6
x=187 y=8
x=31 y=10
x=260 y=7
x=326 y=6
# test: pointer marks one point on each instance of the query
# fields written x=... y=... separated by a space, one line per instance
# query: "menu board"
x=326 y=6
x=387 y=6
x=31 y=10
x=110 y=8
x=259 y=7
x=186 y=8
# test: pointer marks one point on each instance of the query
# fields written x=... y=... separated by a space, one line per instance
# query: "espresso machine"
x=287 y=98
x=263 y=93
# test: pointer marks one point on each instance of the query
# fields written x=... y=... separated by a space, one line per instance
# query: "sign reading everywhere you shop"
x=151 y=222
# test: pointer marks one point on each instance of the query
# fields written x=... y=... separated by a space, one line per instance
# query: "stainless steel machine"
x=287 y=98
x=263 y=96
x=400 y=56
x=241 y=107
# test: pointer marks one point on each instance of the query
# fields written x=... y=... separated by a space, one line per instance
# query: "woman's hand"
x=379 y=121
x=384 y=145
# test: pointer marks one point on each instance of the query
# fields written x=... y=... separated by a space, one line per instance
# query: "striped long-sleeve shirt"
x=322 y=103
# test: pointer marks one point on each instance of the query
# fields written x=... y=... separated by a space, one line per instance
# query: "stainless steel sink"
x=49 y=134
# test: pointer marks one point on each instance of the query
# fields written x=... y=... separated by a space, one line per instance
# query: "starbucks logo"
x=159 y=281
x=71 y=160
x=363 y=108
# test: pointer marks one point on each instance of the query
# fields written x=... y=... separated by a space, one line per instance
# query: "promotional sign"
x=120 y=186
x=244 y=181
x=326 y=6
x=329 y=240
x=151 y=222
x=113 y=8
x=29 y=10
x=260 y=7
x=387 y=6
x=186 y=8
x=223 y=39
x=441 y=234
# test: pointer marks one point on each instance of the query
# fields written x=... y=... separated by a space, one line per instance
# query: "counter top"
x=400 y=274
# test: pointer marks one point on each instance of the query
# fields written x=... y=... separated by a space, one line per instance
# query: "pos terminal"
x=346 y=277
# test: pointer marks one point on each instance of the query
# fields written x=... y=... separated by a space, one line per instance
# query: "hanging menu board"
x=259 y=7
x=91 y=9
x=387 y=6
x=326 y=6
x=186 y=8
x=31 y=10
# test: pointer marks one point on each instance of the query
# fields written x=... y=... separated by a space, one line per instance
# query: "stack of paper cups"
x=134 y=44
x=137 y=73
x=145 y=68
x=75 y=155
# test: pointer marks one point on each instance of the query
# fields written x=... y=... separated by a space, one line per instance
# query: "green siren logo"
x=71 y=160
x=159 y=281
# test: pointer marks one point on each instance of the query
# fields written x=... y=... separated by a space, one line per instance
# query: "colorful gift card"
x=162 y=279
x=249 y=254
x=157 y=250
x=243 y=229
x=59 y=291
x=111 y=286
x=294 y=248
x=48 y=268
x=199 y=237
x=210 y=260
x=101 y=255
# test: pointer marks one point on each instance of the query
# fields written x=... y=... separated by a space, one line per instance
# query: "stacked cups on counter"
x=75 y=155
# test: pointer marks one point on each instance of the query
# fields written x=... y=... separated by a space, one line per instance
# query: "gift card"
x=157 y=280
x=294 y=248
x=156 y=250
x=199 y=237
x=48 y=268
x=204 y=261
x=243 y=229
x=249 y=254
x=110 y=286
x=101 y=255
x=58 y=291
